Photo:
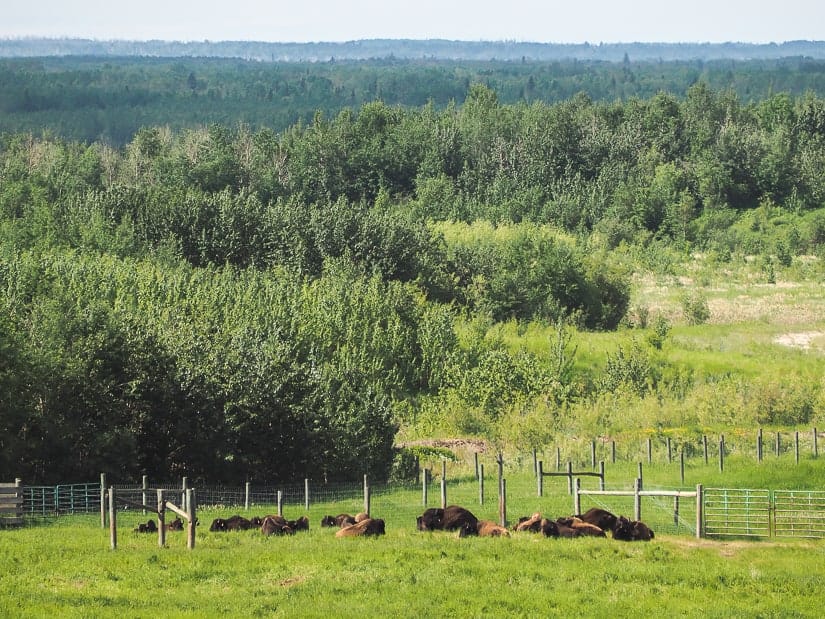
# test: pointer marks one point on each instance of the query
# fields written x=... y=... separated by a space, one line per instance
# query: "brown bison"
x=631 y=530
x=341 y=520
x=537 y=524
x=233 y=523
x=368 y=526
x=276 y=525
x=483 y=528
x=599 y=517
x=580 y=526
x=147 y=527
x=449 y=519
x=175 y=525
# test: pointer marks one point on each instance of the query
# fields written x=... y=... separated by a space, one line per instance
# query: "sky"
x=568 y=21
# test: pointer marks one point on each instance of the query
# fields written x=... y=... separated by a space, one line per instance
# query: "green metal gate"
x=736 y=512
x=799 y=513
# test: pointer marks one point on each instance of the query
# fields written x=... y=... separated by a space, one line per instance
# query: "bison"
x=537 y=524
x=147 y=527
x=449 y=519
x=276 y=525
x=483 y=528
x=631 y=530
x=233 y=523
x=580 y=526
x=599 y=517
x=341 y=520
x=368 y=526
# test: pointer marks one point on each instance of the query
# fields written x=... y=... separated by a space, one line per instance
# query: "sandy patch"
x=801 y=340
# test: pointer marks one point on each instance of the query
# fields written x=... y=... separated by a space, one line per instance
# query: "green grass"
x=64 y=567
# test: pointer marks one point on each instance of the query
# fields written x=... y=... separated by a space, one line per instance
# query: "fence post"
x=649 y=452
x=246 y=493
x=613 y=451
x=796 y=445
x=637 y=500
x=280 y=503
x=577 y=504
x=705 y=446
x=443 y=493
x=558 y=458
x=184 y=487
x=161 y=518
x=777 y=443
x=816 y=447
x=540 y=478
x=112 y=519
x=502 y=502
x=759 y=445
x=721 y=454
x=144 y=487
x=640 y=477
x=535 y=462
x=424 y=487
x=569 y=477
x=367 y=500
x=190 y=527
x=669 y=454
x=676 y=511
x=417 y=470
x=102 y=500
x=475 y=460
x=481 y=485
x=306 y=493
x=682 y=465
x=592 y=455
x=601 y=476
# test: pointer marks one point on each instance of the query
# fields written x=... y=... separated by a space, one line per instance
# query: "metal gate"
x=736 y=512
x=763 y=513
x=799 y=513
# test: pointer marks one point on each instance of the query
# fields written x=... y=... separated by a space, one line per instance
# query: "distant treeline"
x=229 y=302
x=367 y=49
x=110 y=98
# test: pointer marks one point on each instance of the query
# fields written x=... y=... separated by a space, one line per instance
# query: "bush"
x=695 y=307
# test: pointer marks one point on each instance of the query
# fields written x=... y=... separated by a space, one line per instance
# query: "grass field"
x=64 y=567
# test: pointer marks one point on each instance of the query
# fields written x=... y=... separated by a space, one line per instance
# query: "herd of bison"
x=594 y=522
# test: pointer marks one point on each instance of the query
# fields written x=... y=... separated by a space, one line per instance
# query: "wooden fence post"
x=502 y=502
x=540 y=478
x=796 y=446
x=682 y=465
x=246 y=493
x=700 y=505
x=103 y=500
x=815 y=446
x=649 y=451
x=592 y=455
x=184 y=487
x=676 y=511
x=191 y=517
x=144 y=484
x=640 y=477
x=601 y=474
x=535 y=462
x=637 y=499
x=613 y=451
x=569 y=477
x=481 y=485
x=306 y=493
x=367 y=500
x=112 y=519
x=759 y=445
x=558 y=458
x=577 y=504
x=777 y=444
x=705 y=447
x=161 y=518
x=443 y=493
x=721 y=454
x=424 y=487
x=475 y=460
x=417 y=470
x=280 y=502
x=669 y=452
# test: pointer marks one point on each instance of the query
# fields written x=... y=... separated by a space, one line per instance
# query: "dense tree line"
x=224 y=301
x=109 y=98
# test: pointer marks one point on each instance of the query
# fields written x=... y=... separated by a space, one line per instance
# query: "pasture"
x=64 y=567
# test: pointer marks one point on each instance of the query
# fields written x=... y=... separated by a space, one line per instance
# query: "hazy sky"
x=569 y=21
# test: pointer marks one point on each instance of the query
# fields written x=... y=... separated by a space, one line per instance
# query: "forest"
x=231 y=300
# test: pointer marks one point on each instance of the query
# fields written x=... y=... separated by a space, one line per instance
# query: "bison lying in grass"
x=450 y=519
x=365 y=527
